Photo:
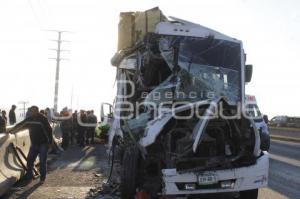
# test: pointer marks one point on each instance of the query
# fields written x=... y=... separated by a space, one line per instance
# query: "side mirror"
x=248 y=73
x=266 y=119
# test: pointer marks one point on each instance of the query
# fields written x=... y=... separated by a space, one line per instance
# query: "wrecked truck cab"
x=179 y=114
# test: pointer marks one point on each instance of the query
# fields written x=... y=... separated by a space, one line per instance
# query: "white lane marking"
x=291 y=144
x=285 y=160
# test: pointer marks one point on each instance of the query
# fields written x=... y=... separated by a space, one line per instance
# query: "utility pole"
x=58 y=59
x=24 y=107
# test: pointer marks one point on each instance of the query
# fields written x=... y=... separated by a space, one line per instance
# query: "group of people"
x=80 y=126
x=75 y=127
x=11 y=118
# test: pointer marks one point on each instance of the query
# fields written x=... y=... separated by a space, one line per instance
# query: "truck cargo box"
x=134 y=25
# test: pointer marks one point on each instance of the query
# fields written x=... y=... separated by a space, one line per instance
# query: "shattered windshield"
x=210 y=82
x=205 y=68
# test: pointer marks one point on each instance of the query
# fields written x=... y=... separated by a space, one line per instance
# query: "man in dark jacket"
x=92 y=121
x=2 y=124
x=4 y=116
x=82 y=120
x=74 y=132
x=12 y=115
x=66 y=128
x=40 y=133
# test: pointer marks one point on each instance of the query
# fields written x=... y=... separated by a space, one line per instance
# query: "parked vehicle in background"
x=285 y=121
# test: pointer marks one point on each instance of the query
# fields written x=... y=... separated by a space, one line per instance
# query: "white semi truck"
x=179 y=124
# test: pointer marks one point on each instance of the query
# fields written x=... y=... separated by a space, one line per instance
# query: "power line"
x=35 y=15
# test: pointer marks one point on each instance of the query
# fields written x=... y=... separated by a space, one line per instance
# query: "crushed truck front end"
x=220 y=181
x=179 y=124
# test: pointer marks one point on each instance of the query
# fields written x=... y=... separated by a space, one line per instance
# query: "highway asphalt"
x=284 y=173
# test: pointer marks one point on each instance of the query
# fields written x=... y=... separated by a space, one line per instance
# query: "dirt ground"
x=74 y=174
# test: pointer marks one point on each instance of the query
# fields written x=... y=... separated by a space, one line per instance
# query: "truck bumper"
x=230 y=180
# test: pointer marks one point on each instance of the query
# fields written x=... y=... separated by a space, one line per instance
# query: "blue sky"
x=270 y=31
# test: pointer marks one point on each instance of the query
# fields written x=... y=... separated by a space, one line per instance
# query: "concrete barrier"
x=11 y=169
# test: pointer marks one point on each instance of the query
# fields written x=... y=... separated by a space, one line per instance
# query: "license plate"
x=207 y=179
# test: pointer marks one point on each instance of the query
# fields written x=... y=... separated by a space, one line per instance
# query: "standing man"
x=92 y=121
x=88 y=128
x=12 y=115
x=40 y=133
x=49 y=115
x=82 y=120
x=2 y=124
x=66 y=127
x=74 y=131
x=4 y=116
x=28 y=113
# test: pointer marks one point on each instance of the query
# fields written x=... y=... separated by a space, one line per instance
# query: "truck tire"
x=265 y=141
x=128 y=173
x=249 y=194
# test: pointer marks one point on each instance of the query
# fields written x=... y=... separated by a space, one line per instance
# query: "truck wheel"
x=128 y=173
x=265 y=141
x=249 y=194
